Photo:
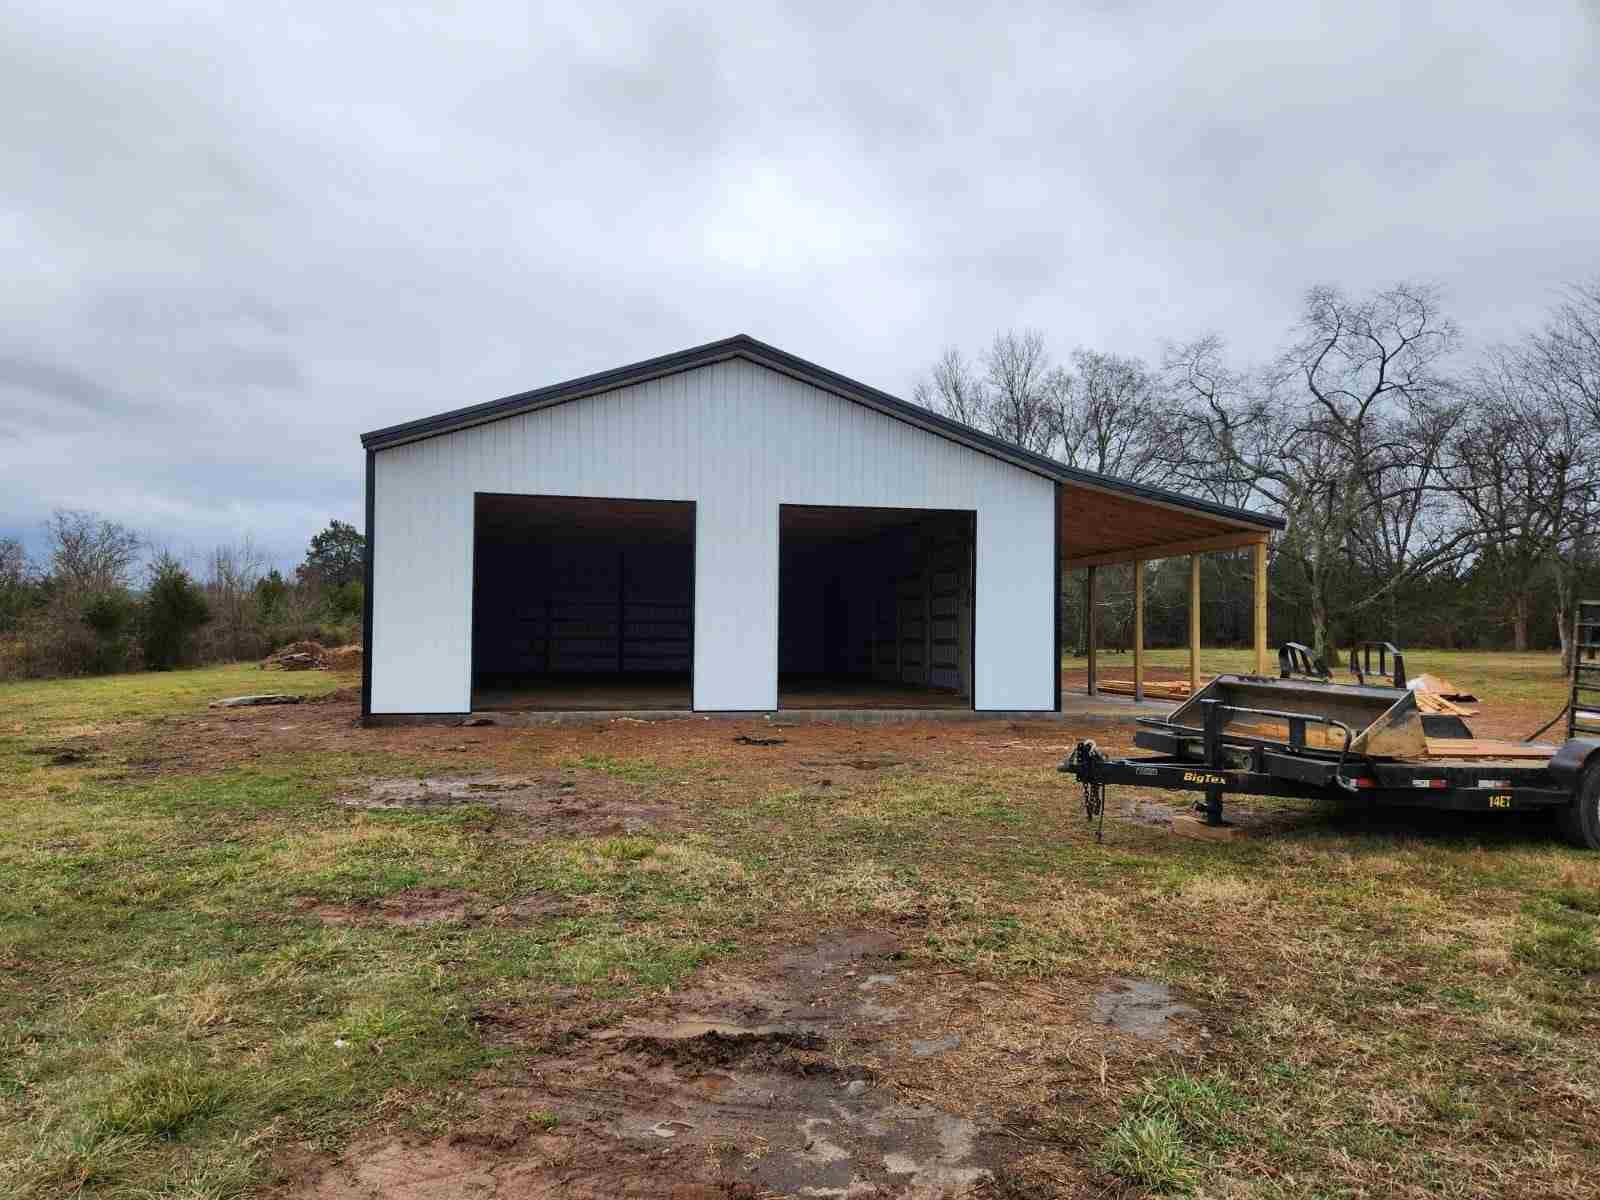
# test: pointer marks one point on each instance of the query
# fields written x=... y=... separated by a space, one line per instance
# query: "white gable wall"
x=739 y=440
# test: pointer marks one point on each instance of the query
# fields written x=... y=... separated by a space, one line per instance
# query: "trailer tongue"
x=1310 y=738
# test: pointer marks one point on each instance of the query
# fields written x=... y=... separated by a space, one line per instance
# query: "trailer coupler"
x=1093 y=771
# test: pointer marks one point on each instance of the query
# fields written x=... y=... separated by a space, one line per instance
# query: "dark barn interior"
x=874 y=607
x=582 y=603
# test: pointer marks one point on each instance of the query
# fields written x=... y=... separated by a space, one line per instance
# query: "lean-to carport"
x=1100 y=527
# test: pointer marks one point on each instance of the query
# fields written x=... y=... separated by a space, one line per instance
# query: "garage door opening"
x=582 y=604
x=874 y=607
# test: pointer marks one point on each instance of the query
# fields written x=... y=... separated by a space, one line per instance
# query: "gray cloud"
x=52 y=383
x=234 y=238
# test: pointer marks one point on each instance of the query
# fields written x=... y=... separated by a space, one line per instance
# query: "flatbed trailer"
x=1309 y=738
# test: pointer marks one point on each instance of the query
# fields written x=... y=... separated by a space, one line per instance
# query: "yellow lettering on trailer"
x=1198 y=777
x=1500 y=800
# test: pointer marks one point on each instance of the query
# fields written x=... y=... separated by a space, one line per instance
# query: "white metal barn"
x=731 y=528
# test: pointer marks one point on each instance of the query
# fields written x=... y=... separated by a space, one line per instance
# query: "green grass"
x=39 y=707
x=627 y=770
x=1382 y=1003
x=1149 y=1151
x=166 y=1000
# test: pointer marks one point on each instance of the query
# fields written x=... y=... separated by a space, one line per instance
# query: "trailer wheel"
x=1579 y=818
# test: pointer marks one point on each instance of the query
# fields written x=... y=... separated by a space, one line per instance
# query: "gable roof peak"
x=743 y=345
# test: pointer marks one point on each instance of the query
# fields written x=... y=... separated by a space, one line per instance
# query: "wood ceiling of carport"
x=1105 y=527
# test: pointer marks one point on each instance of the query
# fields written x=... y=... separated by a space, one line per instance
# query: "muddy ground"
x=831 y=1068
x=825 y=1065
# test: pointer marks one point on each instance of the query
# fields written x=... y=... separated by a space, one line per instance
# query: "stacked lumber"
x=1440 y=697
x=1436 y=705
x=1485 y=748
x=1154 y=689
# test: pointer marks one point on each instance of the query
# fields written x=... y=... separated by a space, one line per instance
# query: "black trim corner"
x=366 y=599
x=1055 y=598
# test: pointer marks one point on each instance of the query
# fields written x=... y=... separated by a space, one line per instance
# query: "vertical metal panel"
x=740 y=440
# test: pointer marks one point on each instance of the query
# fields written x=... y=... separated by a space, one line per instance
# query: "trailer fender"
x=1568 y=765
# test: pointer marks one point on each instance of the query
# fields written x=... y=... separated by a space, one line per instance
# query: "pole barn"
x=731 y=528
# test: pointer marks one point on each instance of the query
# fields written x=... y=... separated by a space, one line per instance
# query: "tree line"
x=102 y=599
x=1436 y=493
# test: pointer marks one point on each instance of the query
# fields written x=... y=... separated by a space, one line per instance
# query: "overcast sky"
x=234 y=236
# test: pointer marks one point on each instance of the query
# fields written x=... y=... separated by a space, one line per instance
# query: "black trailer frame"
x=1210 y=760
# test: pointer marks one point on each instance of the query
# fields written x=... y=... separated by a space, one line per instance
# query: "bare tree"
x=1344 y=436
x=1371 y=370
x=232 y=572
x=1013 y=393
x=1566 y=353
x=955 y=390
x=1110 y=417
x=90 y=554
x=1022 y=387
x=15 y=568
x=1522 y=472
x=17 y=577
x=1201 y=384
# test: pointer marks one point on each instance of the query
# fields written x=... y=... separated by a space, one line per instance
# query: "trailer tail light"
x=1365 y=781
x=1435 y=784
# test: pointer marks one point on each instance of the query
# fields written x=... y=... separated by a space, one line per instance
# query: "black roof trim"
x=746 y=347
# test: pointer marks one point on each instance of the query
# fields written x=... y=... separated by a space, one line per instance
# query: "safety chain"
x=1094 y=792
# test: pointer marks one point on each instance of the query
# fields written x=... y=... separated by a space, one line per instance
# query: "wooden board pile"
x=1154 y=689
x=1440 y=697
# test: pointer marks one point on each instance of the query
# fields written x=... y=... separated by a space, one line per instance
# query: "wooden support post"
x=1138 y=630
x=1261 y=606
x=1194 y=622
x=1091 y=601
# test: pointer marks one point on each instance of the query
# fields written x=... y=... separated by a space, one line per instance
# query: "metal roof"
x=746 y=347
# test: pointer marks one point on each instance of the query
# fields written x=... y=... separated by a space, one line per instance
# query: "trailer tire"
x=1579 y=818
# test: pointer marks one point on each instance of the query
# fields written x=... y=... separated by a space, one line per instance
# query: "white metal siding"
x=739 y=439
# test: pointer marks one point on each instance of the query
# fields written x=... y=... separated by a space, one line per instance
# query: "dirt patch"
x=564 y=802
x=414 y=906
x=344 y=695
x=1147 y=812
x=65 y=756
x=857 y=764
x=436 y=906
x=748 y=1084
x=1245 y=816
x=845 y=755
x=529 y=1167
x=528 y=910
x=1144 y=1008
